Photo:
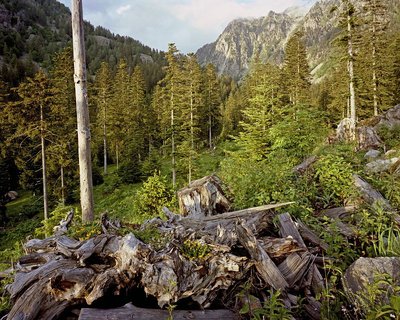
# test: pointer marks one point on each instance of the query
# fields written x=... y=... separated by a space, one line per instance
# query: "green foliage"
x=151 y=235
x=382 y=298
x=84 y=231
x=390 y=136
x=195 y=249
x=273 y=309
x=59 y=213
x=334 y=176
x=152 y=197
x=5 y=300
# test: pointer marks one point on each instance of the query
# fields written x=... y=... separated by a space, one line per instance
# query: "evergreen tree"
x=264 y=107
x=190 y=113
x=119 y=110
x=212 y=96
x=102 y=97
x=28 y=116
x=62 y=152
x=296 y=70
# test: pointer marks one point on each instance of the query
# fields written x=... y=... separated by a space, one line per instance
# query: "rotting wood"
x=263 y=263
x=288 y=228
x=203 y=197
x=310 y=236
x=129 y=311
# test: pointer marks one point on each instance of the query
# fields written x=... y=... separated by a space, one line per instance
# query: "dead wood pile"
x=205 y=262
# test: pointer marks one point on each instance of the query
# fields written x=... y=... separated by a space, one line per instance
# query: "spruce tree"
x=29 y=117
x=296 y=70
x=62 y=152
x=102 y=97
x=212 y=96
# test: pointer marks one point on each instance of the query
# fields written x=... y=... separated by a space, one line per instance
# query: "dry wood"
x=302 y=167
x=288 y=228
x=336 y=214
x=62 y=228
x=295 y=267
x=82 y=112
x=263 y=263
x=279 y=247
x=203 y=197
x=339 y=213
x=310 y=236
x=129 y=311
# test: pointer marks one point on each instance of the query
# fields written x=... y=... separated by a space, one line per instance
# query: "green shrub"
x=151 y=198
x=59 y=213
x=195 y=249
x=334 y=177
x=390 y=136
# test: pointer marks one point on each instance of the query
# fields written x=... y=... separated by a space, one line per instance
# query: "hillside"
x=33 y=31
x=266 y=36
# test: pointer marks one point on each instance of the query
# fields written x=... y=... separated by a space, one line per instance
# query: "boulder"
x=372 y=154
x=367 y=138
x=390 y=118
x=343 y=131
x=381 y=165
x=366 y=272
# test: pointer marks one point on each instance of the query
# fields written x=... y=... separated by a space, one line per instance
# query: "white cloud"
x=121 y=10
x=188 y=23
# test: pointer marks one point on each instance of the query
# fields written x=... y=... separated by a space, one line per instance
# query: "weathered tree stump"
x=203 y=197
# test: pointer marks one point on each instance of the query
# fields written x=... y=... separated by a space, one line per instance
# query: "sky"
x=189 y=24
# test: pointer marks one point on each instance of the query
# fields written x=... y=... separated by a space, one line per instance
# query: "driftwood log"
x=205 y=262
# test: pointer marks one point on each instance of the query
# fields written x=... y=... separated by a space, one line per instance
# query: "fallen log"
x=129 y=311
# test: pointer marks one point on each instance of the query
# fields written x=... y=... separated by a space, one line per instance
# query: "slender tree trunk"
x=191 y=135
x=62 y=186
x=353 y=116
x=85 y=163
x=105 y=141
x=117 y=155
x=173 y=150
x=173 y=137
x=44 y=170
x=374 y=80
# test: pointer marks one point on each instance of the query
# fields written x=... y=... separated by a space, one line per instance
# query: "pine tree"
x=190 y=113
x=119 y=110
x=296 y=70
x=264 y=108
x=212 y=96
x=29 y=118
x=377 y=23
x=62 y=151
x=103 y=95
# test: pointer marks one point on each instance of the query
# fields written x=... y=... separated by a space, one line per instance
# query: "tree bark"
x=85 y=164
x=44 y=170
x=352 y=93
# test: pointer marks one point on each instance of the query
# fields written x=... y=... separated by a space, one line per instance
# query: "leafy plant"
x=334 y=176
x=152 y=236
x=195 y=249
x=152 y=197
x=5 y=301
x=272 y=309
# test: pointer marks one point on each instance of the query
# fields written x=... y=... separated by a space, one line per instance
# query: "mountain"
x=242 y=39
x=32 y=31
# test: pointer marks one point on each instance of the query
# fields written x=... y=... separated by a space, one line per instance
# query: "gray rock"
x=378 y=166
x=372 y=154
x=367 y=138
x=390 y=118
x=365 y=272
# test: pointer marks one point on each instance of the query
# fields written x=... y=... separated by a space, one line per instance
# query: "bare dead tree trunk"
x=352 y=93
x=105 y=139
x=62 y=186
x=44 y=170
x=82 y=111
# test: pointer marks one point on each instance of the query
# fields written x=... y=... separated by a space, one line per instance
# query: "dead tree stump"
x=203 y=197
